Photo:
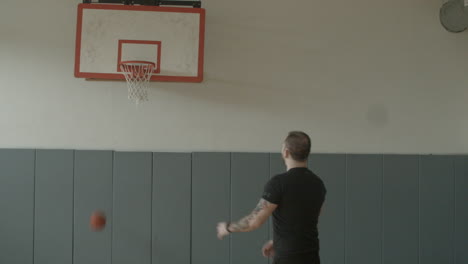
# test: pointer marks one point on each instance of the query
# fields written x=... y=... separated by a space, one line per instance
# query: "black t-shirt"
x=299 y=194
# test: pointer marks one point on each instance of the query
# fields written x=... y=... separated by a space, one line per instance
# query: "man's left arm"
x=250 y=222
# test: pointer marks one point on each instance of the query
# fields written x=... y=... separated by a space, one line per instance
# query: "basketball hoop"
x=137 y=74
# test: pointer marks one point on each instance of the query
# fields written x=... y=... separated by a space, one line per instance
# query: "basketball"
x=98 y=221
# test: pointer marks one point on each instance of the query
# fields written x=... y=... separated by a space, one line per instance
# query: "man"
x=295 y=199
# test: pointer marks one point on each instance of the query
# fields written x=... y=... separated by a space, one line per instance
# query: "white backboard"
x=170 y=37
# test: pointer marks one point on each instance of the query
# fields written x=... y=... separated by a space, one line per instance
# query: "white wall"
x=359 y=76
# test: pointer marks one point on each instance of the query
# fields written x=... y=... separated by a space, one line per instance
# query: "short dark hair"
x=298 y=144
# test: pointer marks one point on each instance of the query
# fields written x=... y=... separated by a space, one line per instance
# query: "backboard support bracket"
x=195 y=4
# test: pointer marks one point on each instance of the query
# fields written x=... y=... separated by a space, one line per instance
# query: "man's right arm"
x=268 y=250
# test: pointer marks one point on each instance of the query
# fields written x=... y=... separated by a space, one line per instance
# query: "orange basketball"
x=98 y=221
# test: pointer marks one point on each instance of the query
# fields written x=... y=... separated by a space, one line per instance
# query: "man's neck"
x=296 y=164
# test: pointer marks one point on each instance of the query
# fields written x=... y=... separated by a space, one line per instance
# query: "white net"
x=137 y=74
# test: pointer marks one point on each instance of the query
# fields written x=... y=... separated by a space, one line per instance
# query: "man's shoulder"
x=319 y=181
x=278 y=177
x=315 y=175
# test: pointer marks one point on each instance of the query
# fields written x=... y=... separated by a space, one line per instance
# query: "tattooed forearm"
x=246 y=223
